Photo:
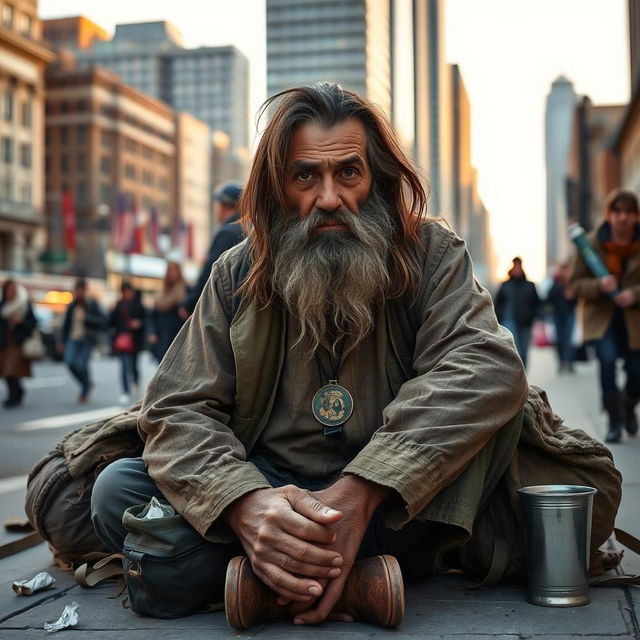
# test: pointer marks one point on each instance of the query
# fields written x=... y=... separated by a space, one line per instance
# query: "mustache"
x=318 y=217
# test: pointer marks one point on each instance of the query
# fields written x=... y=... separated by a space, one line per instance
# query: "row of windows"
x=321 y=11
x=8 y=109
x=21 y=22
x=315 y=46
x=7 y=191
x=8 y=153
x=66 y=106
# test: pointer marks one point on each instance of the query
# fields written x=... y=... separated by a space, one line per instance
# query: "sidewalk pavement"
x=435 y=609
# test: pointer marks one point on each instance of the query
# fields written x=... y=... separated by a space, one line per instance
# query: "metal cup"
x=558 y=519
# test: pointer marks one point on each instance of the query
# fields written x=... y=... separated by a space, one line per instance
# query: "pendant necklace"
x=332 y=404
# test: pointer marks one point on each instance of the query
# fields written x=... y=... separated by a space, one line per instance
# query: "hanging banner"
x=68 y=221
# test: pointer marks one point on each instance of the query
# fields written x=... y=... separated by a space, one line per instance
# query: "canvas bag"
x=159 y=552
x=33 y=346
x=549 y=452
x=58 y=501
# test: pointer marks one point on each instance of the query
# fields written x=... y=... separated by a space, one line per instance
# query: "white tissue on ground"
x=29 y=587
x=69 y=618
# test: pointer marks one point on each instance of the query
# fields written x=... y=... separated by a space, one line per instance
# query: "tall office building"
x=345 y=41
x=561 y=102
x=433 y=142
x=210 y=83
x=23 y=59
x=71 y=34
x=392 y=51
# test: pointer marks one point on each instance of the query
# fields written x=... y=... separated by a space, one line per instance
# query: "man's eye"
x=304 y=176
x=349 y=172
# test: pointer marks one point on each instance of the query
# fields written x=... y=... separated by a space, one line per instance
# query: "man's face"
x=327 y=170
x=622 y=220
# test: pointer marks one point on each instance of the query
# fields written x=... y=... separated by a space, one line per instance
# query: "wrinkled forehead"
x=315 y=143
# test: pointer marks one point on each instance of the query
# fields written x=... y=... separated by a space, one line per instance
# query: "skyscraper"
x=210 y=83
x=345 y=41
x=561 y=102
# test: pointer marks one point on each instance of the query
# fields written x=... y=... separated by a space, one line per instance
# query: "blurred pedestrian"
x=17 y=323
x=84 y=322
x=563 y=305
x=164 y=319
x=229 y=235
x=611 y=313
x=127 y=320
x=517 y=305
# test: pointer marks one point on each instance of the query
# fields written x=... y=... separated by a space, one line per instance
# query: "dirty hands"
x=286 y=533
x=358 y=499
x=300 y=546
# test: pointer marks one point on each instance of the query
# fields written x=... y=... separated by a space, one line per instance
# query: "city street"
x=50 y=410
x=435 y=609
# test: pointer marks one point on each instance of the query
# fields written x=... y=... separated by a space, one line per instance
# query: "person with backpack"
x=83 y=324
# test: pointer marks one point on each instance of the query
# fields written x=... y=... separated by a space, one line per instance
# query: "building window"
x=147 y=204
x=7 y=16
x=64 y=135
x=64 y=163
x=81 y=134
x=81 y=192
x=7 y=189
x=105 y=194
x=163 y=184
x=26 y=24
x=25 y=193
x=7 y=150
x=130 y=145
x=25 y=155
x=105 y=164
x=147 y=153
x=81 y=163
x=147 y=178
x=105 y=138
x=7 y=105
x=27 y=113
x=130 y=171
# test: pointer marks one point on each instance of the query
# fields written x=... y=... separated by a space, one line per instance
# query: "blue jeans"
x=613 y=345
x=565 y=323
x=522 y=338
x=127 y=371
x=76 y=356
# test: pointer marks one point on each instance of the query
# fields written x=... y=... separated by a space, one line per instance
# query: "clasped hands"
x=301 y=544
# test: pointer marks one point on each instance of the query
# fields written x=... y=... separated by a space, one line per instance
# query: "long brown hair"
x=329 y=104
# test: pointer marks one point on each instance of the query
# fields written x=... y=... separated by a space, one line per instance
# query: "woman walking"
x=17 y=323
x=165 y=321
x=127 y=321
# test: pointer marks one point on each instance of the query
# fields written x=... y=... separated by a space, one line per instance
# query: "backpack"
x=58 y=502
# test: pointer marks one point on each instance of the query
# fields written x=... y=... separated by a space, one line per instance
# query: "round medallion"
x=332 y=405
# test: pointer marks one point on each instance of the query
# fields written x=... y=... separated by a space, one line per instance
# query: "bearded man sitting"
x=343 y=388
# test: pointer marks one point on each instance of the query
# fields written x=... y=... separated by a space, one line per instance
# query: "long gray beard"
x=333 y=281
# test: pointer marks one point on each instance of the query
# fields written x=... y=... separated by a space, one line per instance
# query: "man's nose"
x=328 y=199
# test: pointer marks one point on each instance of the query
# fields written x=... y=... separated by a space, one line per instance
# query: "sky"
x=509 y=53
